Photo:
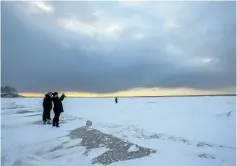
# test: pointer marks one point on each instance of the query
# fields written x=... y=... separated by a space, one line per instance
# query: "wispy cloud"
x=40 y=6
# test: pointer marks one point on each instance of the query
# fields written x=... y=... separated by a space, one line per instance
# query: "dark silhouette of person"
x=58 y=108
x=47 y=107
x=116 y=100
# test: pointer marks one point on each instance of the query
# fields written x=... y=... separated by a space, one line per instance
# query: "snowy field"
x=187 y=131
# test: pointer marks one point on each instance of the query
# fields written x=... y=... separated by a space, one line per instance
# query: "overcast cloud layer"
x=113 y=46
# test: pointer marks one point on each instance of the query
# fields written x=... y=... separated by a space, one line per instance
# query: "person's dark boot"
x=57 y=125
x=53 y=124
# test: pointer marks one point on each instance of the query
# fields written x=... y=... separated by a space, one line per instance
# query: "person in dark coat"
x=58 y=108
x=47 y=106
x=116 y=100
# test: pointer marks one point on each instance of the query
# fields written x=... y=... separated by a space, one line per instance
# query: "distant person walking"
x=47 y=107
x=58 y=107
x=116 y=100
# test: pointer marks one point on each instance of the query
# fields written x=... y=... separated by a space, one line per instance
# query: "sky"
x=119 y=47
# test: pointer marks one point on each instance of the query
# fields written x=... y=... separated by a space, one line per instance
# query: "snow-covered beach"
x=184 y=131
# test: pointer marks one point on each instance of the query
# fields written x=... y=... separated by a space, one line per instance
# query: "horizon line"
x=194 y=95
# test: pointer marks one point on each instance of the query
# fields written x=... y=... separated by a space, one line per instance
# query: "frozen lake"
x=184 y=131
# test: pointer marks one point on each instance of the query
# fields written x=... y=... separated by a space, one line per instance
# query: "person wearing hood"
x=58 y=107
x=47 y=106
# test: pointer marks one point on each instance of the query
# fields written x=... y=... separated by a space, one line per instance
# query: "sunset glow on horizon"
x=142 y=92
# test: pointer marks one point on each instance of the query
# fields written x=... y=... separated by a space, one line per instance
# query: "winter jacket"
x=57 y=102
x=47 y=102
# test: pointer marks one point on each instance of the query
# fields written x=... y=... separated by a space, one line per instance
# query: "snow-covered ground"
x=185 y=131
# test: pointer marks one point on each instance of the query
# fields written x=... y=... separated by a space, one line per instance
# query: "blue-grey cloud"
x=112 y=46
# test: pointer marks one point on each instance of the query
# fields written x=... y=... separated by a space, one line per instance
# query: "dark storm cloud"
x=193 y=50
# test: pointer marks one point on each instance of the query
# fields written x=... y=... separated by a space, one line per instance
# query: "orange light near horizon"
x=25 y=94
x=142 y=92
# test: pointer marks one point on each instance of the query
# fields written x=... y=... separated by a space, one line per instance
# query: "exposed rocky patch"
x=118 y=148
x=207 y=156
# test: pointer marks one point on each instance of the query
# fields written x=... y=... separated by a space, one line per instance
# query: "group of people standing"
x=52 y=100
